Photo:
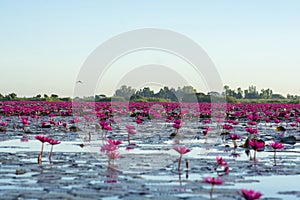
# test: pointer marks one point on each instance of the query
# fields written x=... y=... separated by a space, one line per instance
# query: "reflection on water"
x=270 y=186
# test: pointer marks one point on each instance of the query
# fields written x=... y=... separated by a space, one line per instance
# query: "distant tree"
x=269 y=93
x=188 y=90
x=38 y=96
x=54 y=96
x=13 y=95
x=251 y=93
x=167 y=93
x=277 y=96
x=239 y=93
x=100 y=97
x=266 y=94
x=10 y=97
x=227 y=90
x=45 y=96
x=125 y=91
x=145 y=92
x=65 y=99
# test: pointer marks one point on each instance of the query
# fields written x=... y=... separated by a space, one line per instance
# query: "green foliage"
x=166 y=94
x=125 y=91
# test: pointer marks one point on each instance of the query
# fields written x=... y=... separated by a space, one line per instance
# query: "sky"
x=45 y=44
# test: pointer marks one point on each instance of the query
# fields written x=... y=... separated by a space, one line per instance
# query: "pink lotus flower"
x=114 y=142
x=25 y=121
x=206 y=121
x=277 y=121
x=256 y=145
x=252 y=123
x=251 y=130
x=52 y=142
x=206 y=130
x=131 y=131
x=177 y=126
x=139 y=119
x=221 y=161
x=108 y=147
x=43 y=139
x=250 y=194
x=234 y=137
x=227 y=127
x=213 y=181
x=181 y=150
x=3 y=123
x=287 y=116
x=275 y=146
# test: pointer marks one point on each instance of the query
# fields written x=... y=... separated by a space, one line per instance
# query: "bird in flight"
x=79 y=81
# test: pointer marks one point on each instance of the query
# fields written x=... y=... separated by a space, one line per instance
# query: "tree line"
x=165 y=94
x=14 y=97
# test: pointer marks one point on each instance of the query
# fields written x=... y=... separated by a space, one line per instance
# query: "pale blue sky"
x=43 y=44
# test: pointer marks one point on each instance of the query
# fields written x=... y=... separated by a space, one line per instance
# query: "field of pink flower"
x=139 y=150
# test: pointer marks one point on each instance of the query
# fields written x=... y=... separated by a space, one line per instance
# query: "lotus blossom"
x=139 y=119
x=275 y=146
x=3 y=123
x=227 y=127
x=52 y=142
x=250 y=194
x=181 y=150
x=109 y=147
x=114 y=142
x=234 y=137
x=252 y=123
x=25 y=121
x=221 y=161
x=177 y=125
x=43 y=139
x=277 y=121
x=213 y=181
x=256 y=145
x=251 y=130
x=131 y=131
x=206 y=130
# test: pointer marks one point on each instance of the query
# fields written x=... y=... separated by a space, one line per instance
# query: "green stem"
x=275 y=158
x=211 y=191
x=50 y=156
x=41 y=154
x=179 y=162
